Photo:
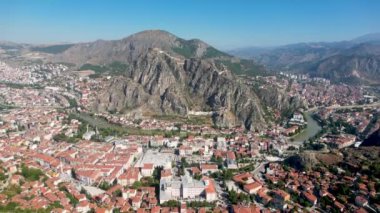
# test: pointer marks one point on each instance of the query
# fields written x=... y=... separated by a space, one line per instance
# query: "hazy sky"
x=223 y=23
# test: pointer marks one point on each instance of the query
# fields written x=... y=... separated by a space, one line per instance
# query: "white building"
x=158 y=159
x=187 y=188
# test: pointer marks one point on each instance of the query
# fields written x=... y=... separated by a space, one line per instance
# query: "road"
x=257 y=170
x=376 y=104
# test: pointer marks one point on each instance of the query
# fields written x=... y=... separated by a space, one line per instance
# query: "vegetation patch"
x=31 y=174
x=115 y=68
x=213 y=53
x=21 y=86
x=54 y=49
x=187 y=48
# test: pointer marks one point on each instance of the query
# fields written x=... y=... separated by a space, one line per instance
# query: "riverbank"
x=311 y=130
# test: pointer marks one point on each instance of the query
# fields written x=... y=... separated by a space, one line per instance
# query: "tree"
x=198 y=176
x=157 y=172
x=137 y=185
x=244 y=198
x=117 y=193
x=105 y=185
x=219 y=162
x=233 y=197
x=184 y=163
x=171 y=203
x=227 y=174
x=31 y=174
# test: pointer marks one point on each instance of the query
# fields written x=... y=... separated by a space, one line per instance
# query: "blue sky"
x=222 y=23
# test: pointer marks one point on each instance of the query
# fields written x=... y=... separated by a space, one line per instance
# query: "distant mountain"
x=158 y=73
x=52 y=49
x=250 y=52
x=8 y=45
x=355 y=61
x=372 y=37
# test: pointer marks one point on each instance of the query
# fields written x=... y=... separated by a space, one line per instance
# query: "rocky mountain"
x=128 y=49
x=161 y=74
x=355 y=61
x=349 y=66
x=160 y=84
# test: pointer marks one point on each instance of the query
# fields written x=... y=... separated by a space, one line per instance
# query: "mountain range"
x=356 y=61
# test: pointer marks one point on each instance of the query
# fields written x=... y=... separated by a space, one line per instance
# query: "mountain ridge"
x=355 y=61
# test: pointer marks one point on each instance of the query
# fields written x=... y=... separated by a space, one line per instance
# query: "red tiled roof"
x=243 y=209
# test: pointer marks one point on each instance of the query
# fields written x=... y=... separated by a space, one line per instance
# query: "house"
x=136 y=202
x=310 y=197
x=129 y=177
x=47 y=161
x=231 y=160
x=281 y=195
x=339 y=206
x=83 y=206
x=245 y=209
x=210 y=190
x=263 y=196
x=166 y=174
x=244 y=178
x=208 y=168
x=147 y=169
x=129 y=193
x=88 y=177
x=281 y=198
x=252 y=188
x=185 y=150
x=16 y=179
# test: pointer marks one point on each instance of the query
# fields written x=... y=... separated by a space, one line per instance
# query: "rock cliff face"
x=160 y=84
x=279 y=99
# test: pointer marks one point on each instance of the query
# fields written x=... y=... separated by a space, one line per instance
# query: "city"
x=58 y=156
x=114 y=107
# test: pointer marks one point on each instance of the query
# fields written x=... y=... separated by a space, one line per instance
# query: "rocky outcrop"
x=279 y=99
x=302 y=161
x=161 y=84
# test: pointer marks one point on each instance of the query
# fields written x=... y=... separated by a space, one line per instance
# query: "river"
x=311 y=130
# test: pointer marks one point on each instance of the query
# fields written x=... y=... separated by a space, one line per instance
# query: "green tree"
x=171 y=203
x=31 y=174
x=137 y=185
x=233 y=197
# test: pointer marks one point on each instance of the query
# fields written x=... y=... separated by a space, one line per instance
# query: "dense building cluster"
x=56 y=155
